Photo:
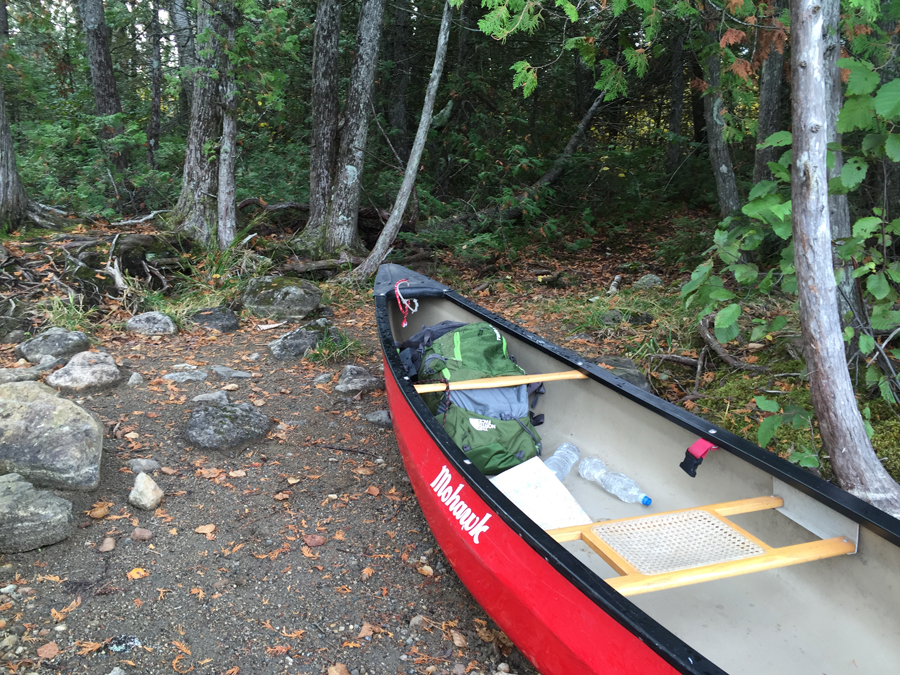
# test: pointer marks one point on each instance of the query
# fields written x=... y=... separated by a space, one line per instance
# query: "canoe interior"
x=830 y=616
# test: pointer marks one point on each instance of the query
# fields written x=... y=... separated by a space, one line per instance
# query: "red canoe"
x=753 y=566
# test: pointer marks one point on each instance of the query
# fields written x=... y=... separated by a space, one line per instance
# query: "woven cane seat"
x=670 y=542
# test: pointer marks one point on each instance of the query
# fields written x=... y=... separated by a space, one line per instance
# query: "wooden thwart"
x=506 y=381
x=633 y=582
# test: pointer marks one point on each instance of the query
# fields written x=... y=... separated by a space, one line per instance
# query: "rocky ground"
x=304 y=552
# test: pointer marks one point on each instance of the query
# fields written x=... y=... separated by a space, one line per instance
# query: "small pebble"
x=141 y=534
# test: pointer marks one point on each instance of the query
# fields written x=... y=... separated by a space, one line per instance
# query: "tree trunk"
x=227 y=229
x=698 y=116
x=4 y=21
x=850 y=308
x=676 y=111
x=106 y=95
x=386 y=239
x=155 y=87
x=462 y=41
x=341 y=230
x=719 y=155
x=769 y=117
x=13 y=200
x=325 y=108
x=398 y=44
x=196 y=213
x=854 y=461
x=184 y=39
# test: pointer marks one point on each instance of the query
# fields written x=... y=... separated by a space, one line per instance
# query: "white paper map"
x=539 y=493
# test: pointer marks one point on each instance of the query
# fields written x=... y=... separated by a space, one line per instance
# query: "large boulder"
x=30 y=518
x=86 y=371
x=53 y=342
x=281 y=298
x=295 y=344
x=357 y=380
x=51 y=441
x=625 y=368
x=151 y=323
x=221 y=319
x=225 y=426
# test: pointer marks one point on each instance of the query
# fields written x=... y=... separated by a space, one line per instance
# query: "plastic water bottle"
x=563 y=460
x=617 y=484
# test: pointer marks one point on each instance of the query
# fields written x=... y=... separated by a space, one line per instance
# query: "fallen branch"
x=717 y=347
x=364 y=212
x=675 y=358
x=614 y=286
x=138 y=221
x=317 y=265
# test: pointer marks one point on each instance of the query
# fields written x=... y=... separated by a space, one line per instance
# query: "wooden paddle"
x=506 y=381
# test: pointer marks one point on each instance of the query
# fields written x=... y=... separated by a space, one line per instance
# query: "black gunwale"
x=671 y=648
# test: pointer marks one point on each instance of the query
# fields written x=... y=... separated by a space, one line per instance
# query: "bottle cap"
x=645 y=500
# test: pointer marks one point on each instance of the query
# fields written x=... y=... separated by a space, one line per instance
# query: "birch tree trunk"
x=227 y=225
x=389 y=233
x=854 y=461
x=106 y=95
x=341 y=230
x=184 y=39
x=850 y=308
x=719 y=155
x=769 y=118
x=196 y=213
x=325 y=108
x=155 y=87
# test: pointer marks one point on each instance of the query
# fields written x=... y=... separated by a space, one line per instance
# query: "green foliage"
x=335 y=346
x=70 y=313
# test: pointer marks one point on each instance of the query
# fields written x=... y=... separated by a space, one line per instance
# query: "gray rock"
x=227 y=373
x=218 y=318
x=136 y=380
x=213 y=398
x=647 y=281
x=86 y=371
x=186 y=376
x=318 y=324
x=141 y=464
x=180 y=367
x=50 y=441
x=356 y=379
x=30 y=518
x=323 y=378
x=640 y=319
x=281 y=298
x=222 y=427
x=117 y=671
x=416 y=623
x=13 y=337
x=612 y=318
x=626 y=369
x=146 y=494
x=294 y=345
x=19 y=375
x=55 y=342
x=151 y=323
x=380 y=418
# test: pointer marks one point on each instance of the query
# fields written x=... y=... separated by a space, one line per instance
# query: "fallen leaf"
x=367 y=629
x=308 y=553
x=293 y=480
x=198 y=592
x=258 y=402
x=169 y=471
x=366 y=573
x=313 y=540
x=338 y=669
x=372 y=490
x=48 y=651
x=281 y=496
x=240 y=473
x=425 y=570
x=230 y=387
x=210 y=473
x=99 y=512
x=364 y=470
x=458 y=639
x=205 y=529
x=183 y=648
x=138 y=573
x=132 y=435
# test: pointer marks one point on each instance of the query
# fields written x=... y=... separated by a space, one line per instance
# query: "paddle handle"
x=506 y=381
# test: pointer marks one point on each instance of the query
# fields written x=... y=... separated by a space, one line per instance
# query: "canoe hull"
x=552 y=623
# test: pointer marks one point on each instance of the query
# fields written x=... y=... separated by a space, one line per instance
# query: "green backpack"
x=492 y=426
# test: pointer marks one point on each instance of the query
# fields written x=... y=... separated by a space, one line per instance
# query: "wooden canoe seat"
x=677 y=548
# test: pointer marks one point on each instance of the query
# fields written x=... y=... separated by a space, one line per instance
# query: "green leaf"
x=767 y=429
x=570 y=10
x=698 y=276
x=857 y=113
x=778 y=139
x=807 y=460
x=887 y=100
x=778 y=323
x=892 y=147
x=877 y=284
x=865 y=227
x=525 y=77
x=853 y=172
x=726 y=326
x=779 y=171
x=849 y=333
x=746 y=274
x=863 y=78
x=721 y=294
x=767 y=404
x=763 y=187
x=873 y=143
x=866 y=344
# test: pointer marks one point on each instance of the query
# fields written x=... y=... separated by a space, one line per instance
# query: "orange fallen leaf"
x=372 y=490
x=183 y=648
x=367 y=629
x=425 y=570
x=205 y=529
x=281 y=496
x=458 y=639
x=169 y=471
x=338 y=669
x=138 y=573
x=99 y=512
x=364 y=470
x=210 y=473
x=293 y=480
x=314 y=540
x=240 y=473
x=343 y=589
x=366 y=573
x=48 y=651
x=307 y=552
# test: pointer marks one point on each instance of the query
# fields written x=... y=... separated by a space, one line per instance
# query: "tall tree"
x=155 y=86
x=106 y=94
x=325 y=109
x=341 y=230
x=840 y=423
x=676 y=108
x=227 y=223
x=398 y=52
x=389 y=233
x=196 y=213
x=184 y=39
x=719 y=154
x=770 y=52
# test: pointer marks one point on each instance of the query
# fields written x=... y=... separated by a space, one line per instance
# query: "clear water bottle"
x=617 y=484
x=563 y=460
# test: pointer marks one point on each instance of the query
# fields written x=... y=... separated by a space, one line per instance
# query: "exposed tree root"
x=717 y=347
